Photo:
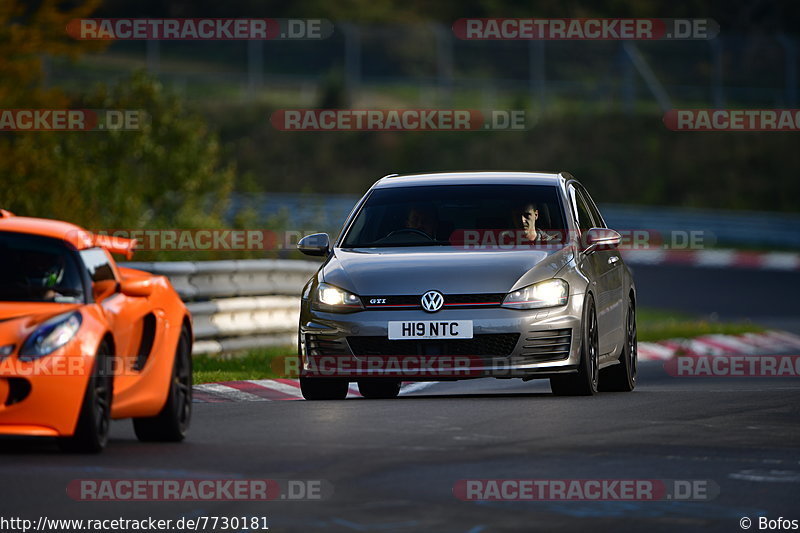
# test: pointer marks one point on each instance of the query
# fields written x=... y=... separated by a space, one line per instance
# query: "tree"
x=28 y=33
x=167 y=174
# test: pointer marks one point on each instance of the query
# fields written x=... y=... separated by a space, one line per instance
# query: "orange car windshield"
x=38 y=269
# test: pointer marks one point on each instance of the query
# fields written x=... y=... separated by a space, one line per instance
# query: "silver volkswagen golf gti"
x=465 y=275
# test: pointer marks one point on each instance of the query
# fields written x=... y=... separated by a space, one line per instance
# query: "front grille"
x=494 y=344
x=412 y=301
x=474 y=299
x=322 y=345
x=546 y=345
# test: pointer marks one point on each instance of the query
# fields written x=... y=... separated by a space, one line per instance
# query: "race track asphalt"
x=393 y=463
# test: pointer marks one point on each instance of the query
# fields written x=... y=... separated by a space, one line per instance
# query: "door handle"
x=613 y=260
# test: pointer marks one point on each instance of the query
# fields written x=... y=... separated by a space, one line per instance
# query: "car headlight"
x=50 y=336
x=550 y=293
x=330 y=298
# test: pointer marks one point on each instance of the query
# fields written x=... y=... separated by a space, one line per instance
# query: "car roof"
x=78 y=237
x=56 y=229
x=473 y=178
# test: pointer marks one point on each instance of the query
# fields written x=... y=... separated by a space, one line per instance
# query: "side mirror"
x=316 y=244
x=136 y=287
x=103 y=289
x=601 y=239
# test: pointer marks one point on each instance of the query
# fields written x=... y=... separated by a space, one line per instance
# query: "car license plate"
x=430 y=329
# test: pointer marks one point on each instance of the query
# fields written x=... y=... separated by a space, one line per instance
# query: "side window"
x=585 y=218
x=98 y=264
x=598 y=219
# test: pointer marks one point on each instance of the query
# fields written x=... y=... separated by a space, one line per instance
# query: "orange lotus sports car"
x=84 y=340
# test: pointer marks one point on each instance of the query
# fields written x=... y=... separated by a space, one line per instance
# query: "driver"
x=423 y=218
x=45 y=272
x=530 y=214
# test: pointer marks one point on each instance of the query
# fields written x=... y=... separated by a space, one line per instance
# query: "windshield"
x=458 y=215
x=38 y=269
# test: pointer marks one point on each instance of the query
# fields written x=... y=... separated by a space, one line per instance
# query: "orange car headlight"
x=50 y=336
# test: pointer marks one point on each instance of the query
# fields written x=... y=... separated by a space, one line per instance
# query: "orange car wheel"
x=172 y=423
x=94 y=420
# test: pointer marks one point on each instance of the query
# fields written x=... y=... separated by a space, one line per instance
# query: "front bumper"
x=506 y=343
x=43 y=397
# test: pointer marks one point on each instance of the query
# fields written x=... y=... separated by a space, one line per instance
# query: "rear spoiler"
x=115 y=245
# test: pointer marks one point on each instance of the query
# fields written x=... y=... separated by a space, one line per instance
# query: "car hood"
x=40 y=311
x=18 y=318
x=399 y=271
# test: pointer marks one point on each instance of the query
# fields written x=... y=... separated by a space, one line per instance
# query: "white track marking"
x=416 y=387
x=279 y=386
x=230 y=393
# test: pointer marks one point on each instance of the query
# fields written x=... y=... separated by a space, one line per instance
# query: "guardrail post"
x=647 y=74
x=444 y=63
x=153 y=47
x=255 y=67
x=718 y=92
x=352 y=60
x=790 y=67
x=537 y=76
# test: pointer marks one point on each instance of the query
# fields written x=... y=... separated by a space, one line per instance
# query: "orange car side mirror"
x=136 y=287
x=103 y=289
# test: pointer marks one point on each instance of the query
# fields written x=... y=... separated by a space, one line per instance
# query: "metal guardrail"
x=241 y=304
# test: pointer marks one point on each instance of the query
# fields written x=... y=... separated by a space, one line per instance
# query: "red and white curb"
x=744 y=344
x=265 y=390
x=256 y=390
x=715 y=258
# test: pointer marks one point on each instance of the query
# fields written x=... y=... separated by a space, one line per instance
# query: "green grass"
x=269 y=363
x=656 y=325
x=253 y=364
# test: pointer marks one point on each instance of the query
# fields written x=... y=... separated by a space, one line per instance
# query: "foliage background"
x=181 y=169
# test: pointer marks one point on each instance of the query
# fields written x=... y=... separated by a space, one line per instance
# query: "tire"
x=172 y=423
x=323 y=388
x=379 y=389
x=94 y=420
x=585 y=381
x=622 y=377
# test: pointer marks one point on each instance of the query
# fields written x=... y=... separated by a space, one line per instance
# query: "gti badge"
x=432 y=301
